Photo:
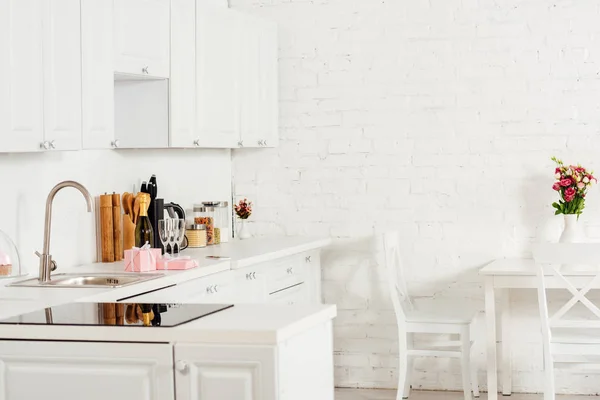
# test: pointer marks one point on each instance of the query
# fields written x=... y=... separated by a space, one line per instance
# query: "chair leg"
x=465 y=338
x=549 y=393
x=410 y=364
x=403 y=370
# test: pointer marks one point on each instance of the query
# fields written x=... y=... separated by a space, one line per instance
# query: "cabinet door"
x=21 y=76
x=94 y=371
x=217 y=58
x=259 y=84
x=225 y=372
x=97 y=74
x=183 y=74
x=62 y=74
x=142 y=37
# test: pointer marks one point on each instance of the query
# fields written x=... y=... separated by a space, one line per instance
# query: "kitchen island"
x=270 y=350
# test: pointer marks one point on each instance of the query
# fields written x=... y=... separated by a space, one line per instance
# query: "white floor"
x=363 y=394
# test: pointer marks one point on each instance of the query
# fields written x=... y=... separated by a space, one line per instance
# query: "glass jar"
x=10 y=262
x=206 y=216
x=196 y=234
x=221 y=215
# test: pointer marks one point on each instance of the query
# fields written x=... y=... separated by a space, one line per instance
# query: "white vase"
x=573 y=231
x=243 y=231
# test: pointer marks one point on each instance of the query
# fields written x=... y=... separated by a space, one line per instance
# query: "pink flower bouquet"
x=243 y=209
x=572 y=183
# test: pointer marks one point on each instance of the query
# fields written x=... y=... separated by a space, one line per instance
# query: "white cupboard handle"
x=145 y=69
x=197 y=142
x=181 y=366
x=308 y=259
x=115 y=143
x=44 y=145
x=52 y=144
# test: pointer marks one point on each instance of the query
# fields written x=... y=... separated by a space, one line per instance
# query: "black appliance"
x=174 y=210
x=91 y=314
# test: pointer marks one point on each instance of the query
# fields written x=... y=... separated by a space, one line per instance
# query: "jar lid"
x=215 y=203
x=203 y=209
x=196 y=227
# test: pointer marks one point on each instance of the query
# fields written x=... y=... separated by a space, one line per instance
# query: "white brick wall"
x=438 y=118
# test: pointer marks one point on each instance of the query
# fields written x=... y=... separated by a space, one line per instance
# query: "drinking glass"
x=173 y=235
x=164 y=232
x=179 y=228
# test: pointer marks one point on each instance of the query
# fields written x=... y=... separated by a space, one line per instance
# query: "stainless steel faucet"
x=46 y=263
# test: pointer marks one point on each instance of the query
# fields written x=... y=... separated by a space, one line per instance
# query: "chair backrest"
x=393 y=264
x=554 y=260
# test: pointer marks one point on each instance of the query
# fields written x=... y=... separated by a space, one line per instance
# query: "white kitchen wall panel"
x=21 y=76
x=142 y=37
x=142 y=113
x=97 y=55
x=54 y=370
x=62 y=74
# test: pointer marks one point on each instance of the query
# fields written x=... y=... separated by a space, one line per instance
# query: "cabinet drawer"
x=293 y=295
x=212 y=288
x=285 y=273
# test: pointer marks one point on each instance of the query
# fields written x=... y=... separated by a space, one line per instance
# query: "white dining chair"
x=570 y=335
x=440 y=318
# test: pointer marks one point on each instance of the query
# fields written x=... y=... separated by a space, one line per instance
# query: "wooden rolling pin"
x=106 y=228
x=117 y=233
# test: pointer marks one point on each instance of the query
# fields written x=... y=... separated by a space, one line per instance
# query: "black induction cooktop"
x=117 y=314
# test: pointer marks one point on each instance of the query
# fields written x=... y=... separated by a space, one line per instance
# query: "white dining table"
x=500 y=276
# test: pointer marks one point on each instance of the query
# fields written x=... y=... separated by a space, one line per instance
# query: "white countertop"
x=19 y=300
x=262 y=324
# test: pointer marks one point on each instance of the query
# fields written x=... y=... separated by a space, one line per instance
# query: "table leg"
x=490 y=316
x=505 y=343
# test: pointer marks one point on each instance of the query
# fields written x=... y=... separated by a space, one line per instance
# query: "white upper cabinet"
x=258 y=84
x=142 y=36
x=223 y=78
x=21 y=76
x=40 y=75
x=62 y=74
x=183 y=74
x=217 y=86
x=97 y=74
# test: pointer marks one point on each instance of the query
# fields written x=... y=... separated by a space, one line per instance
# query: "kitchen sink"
x=88 y=280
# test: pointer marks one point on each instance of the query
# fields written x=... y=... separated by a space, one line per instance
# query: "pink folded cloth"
x=174 y=264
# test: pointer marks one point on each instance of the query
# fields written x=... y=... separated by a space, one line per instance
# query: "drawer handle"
x=209 y=289
x=250 y=276
x=145 y=69
x=308 y=259
x=290 y=270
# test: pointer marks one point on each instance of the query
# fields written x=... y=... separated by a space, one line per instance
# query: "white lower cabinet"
x=225 y=372
x=85 y=370
x=298 y=368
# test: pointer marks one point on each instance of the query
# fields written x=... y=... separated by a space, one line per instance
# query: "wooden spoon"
x=127 y=203
x=136 y=207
